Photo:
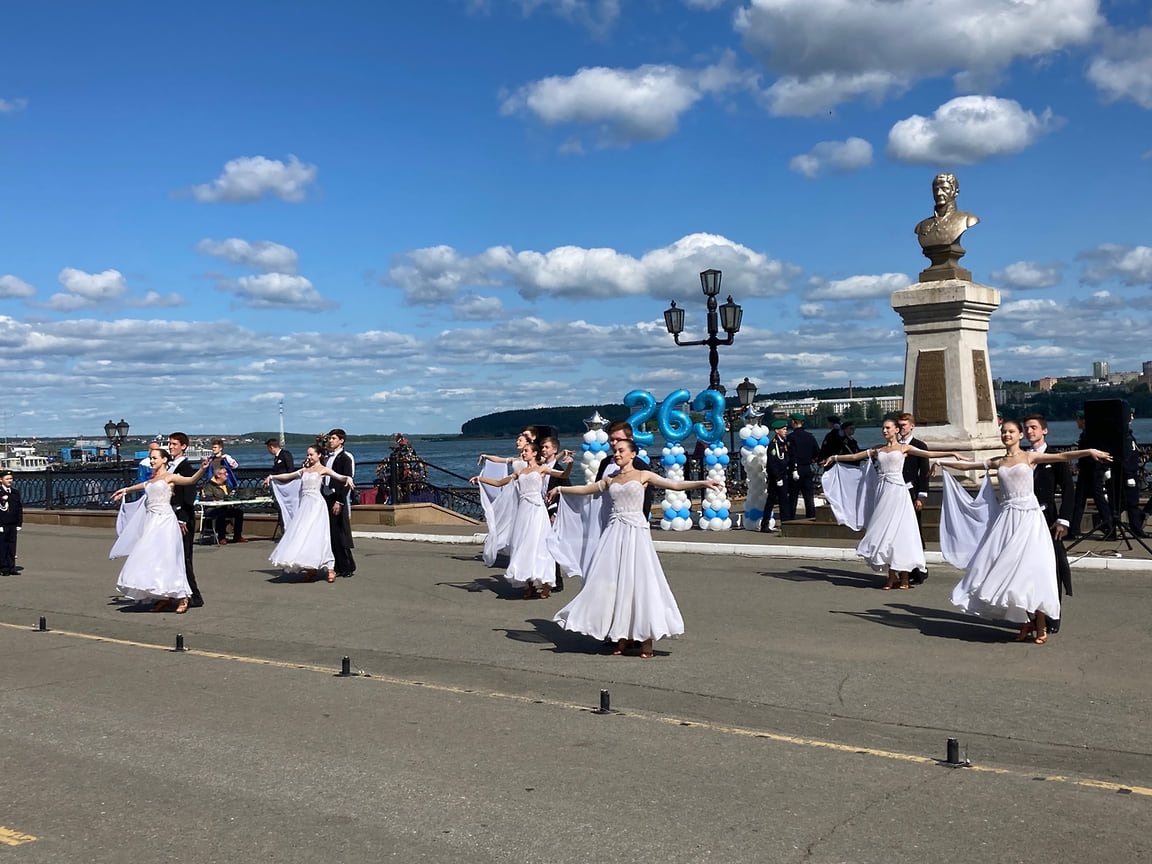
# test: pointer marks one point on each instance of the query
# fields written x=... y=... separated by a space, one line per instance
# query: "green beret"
x=779 y=424
x=796 y=415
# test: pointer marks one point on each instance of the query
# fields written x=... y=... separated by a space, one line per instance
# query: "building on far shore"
x=808 y=406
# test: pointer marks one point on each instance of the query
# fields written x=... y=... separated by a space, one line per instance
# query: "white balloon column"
x=677 y=508
x=754 y=441
x=595 y=446
x=716 y=507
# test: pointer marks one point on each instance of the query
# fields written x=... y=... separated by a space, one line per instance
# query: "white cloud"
x=11 y=287
x=825 y=52
x=840 y=157
x=154 y=299
x=437 y=274
x=83 y=290
x=473 y=307
x=271 y=396
x=11 y=106
x=250 y=178
x=1027 y=275
x=623 y=105
x=705 y=4
x=859 y=287
x=968 y=129
x=1124 y=69
x=275 y=291
x=262 y=255
x=1129 y=265
x=597 y=15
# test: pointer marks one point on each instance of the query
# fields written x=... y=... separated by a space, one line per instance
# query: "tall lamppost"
x=726 y=316
x=117 y=433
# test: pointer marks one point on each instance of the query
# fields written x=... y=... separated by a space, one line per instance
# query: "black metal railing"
x=409 y=479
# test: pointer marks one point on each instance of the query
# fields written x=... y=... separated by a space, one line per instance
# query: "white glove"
x=795 y=475
x=1131 y=482
x=1108 y=474
x=779 y=482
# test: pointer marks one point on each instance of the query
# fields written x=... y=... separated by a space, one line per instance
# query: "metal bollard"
x=179 y=642
x=43 y=628
x=953 y=752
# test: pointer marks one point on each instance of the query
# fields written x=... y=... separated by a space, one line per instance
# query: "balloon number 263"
x=674 y=424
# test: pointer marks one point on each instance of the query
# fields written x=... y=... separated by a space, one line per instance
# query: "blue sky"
x=397 y=216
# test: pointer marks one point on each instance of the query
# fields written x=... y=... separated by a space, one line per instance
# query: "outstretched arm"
x=930 y=454
x=120 y=493
x=585 y=489
x=343 y=478
x=488 y=481
x=1072 y=456
x=648 y=477
x=484 y=457
x=283 y=478
x=848 y=457
x=191 y=480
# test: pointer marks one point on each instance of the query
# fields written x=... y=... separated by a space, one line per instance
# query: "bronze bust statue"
x=939 y=234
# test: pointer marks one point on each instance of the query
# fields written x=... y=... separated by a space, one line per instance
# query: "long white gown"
x=529 y=559
x=1013 y=570
x=307 y=540
x=891 y=540
x=879 y=502
x=499 y=504
x=152 y=541
x=625 y=594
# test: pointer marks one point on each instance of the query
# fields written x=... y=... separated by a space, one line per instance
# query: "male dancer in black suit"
x=621 y=430
x=339 y=501
x=11 y=520
x=916 y=471
x=183 y=503
x=550 y=450
x=1048 y=479
x=281 y=459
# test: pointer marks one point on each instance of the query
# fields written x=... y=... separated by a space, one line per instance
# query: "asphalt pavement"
x=804 y=716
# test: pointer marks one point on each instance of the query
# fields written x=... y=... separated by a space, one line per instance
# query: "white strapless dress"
x=155 y=548
x=625 y=594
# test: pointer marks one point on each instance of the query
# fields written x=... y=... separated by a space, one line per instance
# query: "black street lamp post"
x=726 y=316
x=117 y=433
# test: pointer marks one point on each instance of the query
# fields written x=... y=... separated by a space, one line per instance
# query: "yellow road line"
x=721 y=728
x=12 y=837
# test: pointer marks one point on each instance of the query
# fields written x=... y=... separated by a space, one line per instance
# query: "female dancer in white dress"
x=307 y=542
x=1011 y=575
x=152 y=540
x=500 y=509
x=891 y=541
x=625 y=596
x=529 y=562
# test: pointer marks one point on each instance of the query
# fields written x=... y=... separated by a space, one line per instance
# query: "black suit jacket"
x=282 y=462
x=184 y=497
x=13 y=514
x=1048 y=480
x=917 y=469
x=333 y=490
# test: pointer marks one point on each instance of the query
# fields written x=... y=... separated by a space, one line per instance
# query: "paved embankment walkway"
x=1088 y=555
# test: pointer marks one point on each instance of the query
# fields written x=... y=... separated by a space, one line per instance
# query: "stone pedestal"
x=947 y=376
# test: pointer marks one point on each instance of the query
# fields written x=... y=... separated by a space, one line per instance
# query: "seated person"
x=217 y=489
x=220 y=459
